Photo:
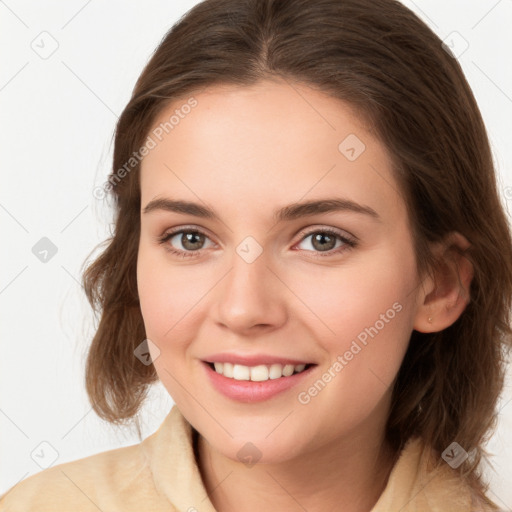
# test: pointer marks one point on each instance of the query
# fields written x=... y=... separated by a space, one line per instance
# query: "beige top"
x=161 y=474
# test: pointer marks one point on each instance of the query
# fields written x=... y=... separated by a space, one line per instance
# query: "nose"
x=251 y=297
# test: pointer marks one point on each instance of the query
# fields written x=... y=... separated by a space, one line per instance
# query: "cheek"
x=166 y=299
x=170 y=296
x=365 y=352
x=160 y=291
x=349 y=299
x=364 y=315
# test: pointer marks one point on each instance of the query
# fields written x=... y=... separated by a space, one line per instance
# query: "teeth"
x=276 y=371
x=288 y=370
x=258 y=373
x=241 y=372
x=227 y=370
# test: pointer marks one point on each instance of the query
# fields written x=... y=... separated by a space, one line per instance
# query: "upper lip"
x=253 y=359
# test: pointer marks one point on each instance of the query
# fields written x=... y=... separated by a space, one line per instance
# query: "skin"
x=245 y=152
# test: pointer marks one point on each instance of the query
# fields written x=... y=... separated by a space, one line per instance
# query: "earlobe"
x=449 y=290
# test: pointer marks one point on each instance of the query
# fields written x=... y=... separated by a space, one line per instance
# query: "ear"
x=443 y=299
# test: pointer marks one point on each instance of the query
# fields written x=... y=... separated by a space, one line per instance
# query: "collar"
x=417 y=481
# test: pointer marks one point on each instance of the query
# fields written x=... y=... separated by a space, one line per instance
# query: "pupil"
x=189 y=240
x=322 y=236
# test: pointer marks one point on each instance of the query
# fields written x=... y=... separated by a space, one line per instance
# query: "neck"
x=352 y=473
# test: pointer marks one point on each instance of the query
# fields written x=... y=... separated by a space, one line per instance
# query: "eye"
x=324 y=240
x=191 y=240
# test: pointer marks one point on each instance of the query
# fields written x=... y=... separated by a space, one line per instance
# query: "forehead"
x=271 y=143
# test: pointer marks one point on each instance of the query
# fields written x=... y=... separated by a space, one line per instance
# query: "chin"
x=264 y=444
x=259 y=451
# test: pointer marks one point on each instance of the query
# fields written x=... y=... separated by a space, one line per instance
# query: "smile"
x=259 y=373
x=243 y=383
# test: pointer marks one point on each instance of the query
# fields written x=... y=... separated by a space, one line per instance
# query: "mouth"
x=256 y=383
x=258 y=373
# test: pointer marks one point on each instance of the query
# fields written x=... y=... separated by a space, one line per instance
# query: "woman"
x=308 y=236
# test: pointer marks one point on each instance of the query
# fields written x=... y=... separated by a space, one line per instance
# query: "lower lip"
x=249 y=391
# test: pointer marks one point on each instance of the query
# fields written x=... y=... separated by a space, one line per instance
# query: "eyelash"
x=350 y=243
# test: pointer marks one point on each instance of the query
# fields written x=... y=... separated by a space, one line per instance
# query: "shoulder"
x=422 y=480
x=84 y=484
x=144 y=476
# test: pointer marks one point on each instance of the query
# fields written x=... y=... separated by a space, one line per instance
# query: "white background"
x=58 y=117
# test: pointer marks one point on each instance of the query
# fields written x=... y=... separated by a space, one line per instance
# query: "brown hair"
x=380 y=58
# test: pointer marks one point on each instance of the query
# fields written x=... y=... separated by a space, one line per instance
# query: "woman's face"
x=267 y=285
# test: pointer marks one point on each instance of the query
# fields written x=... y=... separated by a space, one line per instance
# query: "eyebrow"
x=287 y=213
